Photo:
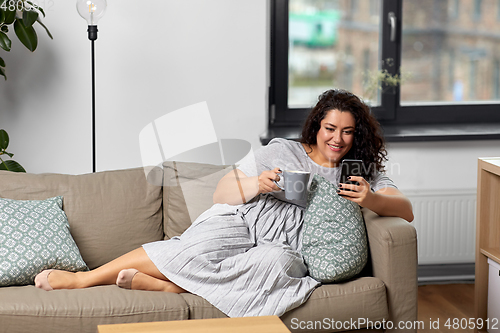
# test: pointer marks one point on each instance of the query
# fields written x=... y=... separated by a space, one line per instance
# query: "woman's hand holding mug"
x=266 y=180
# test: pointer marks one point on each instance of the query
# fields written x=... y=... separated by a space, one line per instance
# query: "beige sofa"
x=113 y=212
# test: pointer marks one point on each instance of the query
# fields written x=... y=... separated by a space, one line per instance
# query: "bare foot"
x=57 y=279
x=125 y=276
x=143 y=281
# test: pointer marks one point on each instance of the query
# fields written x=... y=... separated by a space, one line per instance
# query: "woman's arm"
x=236 y=188
x=387 y=201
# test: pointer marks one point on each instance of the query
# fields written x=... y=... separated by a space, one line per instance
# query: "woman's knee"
x=283 y=258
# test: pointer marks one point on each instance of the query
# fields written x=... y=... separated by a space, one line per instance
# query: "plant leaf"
x=40 y=9
x=2 y=73
x=2 y=63
x=10 y=16
x=4 y=139
x=5 y=42
x=11 y=165
x=26 y=35
x=29 y=17
x=2 y=16
x=46 y=29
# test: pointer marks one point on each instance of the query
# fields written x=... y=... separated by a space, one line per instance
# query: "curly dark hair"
x=369 y=143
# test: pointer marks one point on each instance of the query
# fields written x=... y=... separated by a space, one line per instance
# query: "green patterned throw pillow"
x=334 y=243
x=34 y=235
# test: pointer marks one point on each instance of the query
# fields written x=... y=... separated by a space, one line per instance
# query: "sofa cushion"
x=34 y=235
x=29 y=309
x=109 y=213
x=334 y=243
x=334 y=304
x=188 y=192
x=199 y=308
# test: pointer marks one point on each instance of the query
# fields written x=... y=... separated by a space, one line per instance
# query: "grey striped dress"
x=245 y=259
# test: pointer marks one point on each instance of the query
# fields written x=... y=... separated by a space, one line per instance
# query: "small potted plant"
x=382 y=80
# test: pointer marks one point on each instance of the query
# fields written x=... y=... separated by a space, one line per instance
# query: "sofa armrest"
x=393 y=250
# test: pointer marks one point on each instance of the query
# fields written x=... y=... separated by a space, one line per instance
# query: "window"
x=496 y=79
x=453 y=9
x=374 y=7
x=445 y=57
x=477 y=10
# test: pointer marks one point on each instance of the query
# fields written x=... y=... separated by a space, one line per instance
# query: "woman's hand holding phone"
x=352 y=185
x=361 y=193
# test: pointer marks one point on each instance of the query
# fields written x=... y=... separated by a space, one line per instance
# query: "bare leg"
x=143 y=281
x=107 y=274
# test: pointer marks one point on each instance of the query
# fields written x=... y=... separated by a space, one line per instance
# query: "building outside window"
x=496 y=79
x=477 y=10
x=446 y=56
x=453 y=9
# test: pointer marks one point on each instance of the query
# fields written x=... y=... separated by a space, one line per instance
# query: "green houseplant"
x=19 y=15
x=9 y=165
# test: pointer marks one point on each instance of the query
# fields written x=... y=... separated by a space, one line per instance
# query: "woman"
x=243 y=254
x=339 y=126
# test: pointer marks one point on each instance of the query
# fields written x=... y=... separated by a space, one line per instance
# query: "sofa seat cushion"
x=109 y=213
x=199 y=308
x=333 y=303
x=28 y=309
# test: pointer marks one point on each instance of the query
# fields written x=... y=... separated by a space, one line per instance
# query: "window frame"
x=391 y=113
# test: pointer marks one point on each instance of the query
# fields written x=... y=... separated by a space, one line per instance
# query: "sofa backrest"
x=110 y=213
x=188 y=190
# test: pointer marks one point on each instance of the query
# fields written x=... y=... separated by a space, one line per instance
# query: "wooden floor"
x=442 y=304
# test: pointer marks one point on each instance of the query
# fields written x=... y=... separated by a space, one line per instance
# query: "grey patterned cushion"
x=334 y=243
x=34 y=235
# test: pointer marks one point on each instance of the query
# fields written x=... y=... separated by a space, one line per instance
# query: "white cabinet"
x=493 y=296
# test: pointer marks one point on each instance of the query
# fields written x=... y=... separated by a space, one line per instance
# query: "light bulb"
x=91 y=10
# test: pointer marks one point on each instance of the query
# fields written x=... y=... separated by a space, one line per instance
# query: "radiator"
x=446 y=226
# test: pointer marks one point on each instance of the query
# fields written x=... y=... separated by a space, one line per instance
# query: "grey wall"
x=152 y=57
x=157 y=56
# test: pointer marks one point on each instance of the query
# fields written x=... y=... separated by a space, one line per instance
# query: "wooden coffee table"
x=266 y=324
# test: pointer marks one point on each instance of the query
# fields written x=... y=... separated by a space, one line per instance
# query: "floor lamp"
x=92 y=11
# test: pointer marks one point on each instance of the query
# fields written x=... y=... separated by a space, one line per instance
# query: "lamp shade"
x=91 y=10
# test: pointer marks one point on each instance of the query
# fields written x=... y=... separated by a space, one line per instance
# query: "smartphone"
x=350 y=168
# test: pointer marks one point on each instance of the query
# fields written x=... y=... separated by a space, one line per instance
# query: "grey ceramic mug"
x=295 y=184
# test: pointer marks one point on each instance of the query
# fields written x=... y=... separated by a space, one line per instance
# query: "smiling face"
x=334 y=139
